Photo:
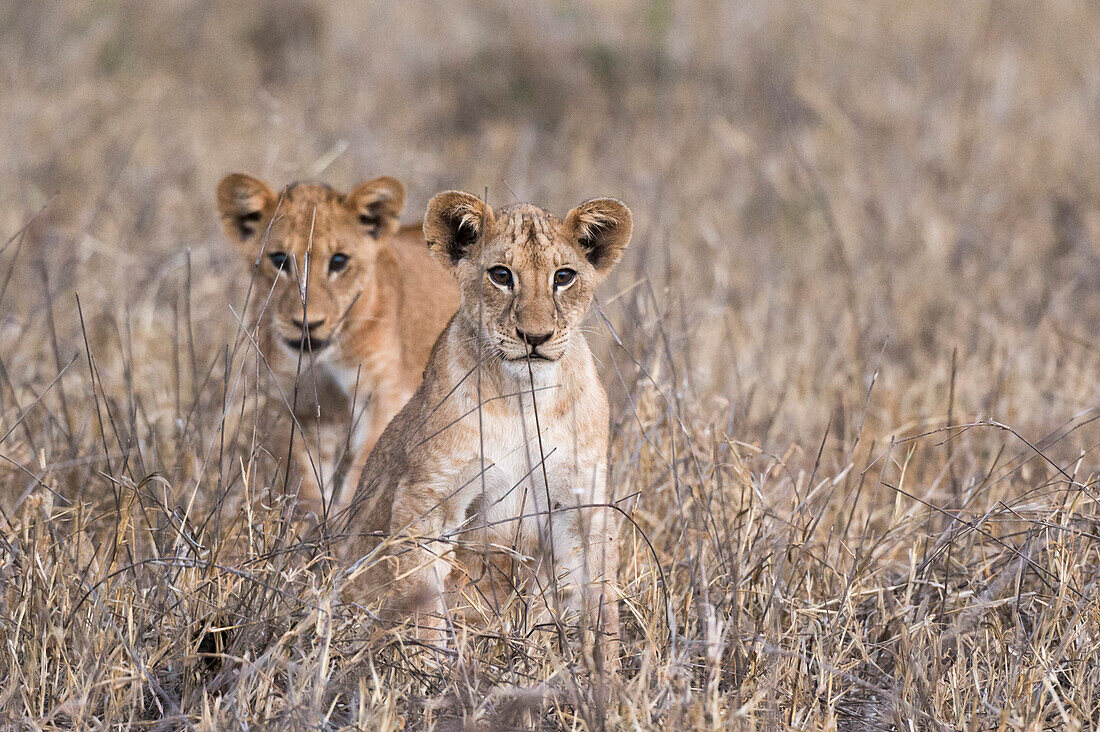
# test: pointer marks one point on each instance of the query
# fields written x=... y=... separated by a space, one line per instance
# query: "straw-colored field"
x=852 y=356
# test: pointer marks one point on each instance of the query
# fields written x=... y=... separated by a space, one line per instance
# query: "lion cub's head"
x=314 y=250
x=527 y=276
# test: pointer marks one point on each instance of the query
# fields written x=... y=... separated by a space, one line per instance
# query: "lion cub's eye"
x=564 y=277
x=279 y=259
x=501 y=276
x=338 y=262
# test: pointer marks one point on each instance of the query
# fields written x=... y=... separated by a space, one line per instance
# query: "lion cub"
x=500 y=457
x=347 y=304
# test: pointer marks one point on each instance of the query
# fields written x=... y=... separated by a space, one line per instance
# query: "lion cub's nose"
x=312 y=325
x=533 y=339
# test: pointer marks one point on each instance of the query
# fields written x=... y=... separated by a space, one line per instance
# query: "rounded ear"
x=378 y=204
x=245 y=203
x=454 y=223
x=602 y=228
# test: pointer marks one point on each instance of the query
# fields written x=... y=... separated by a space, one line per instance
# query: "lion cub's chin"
x=523 y=370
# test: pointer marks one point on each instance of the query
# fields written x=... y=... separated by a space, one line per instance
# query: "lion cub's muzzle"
x=532 y=341
x=534 y=346
x=308 y=337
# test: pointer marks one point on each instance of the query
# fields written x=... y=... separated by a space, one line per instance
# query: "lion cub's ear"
x=378 y=204
x=245 y=203
x=602 y=228
x=454 y=223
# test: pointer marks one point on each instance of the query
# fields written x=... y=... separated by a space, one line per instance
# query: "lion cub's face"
x=527 y=276
x=314 y=251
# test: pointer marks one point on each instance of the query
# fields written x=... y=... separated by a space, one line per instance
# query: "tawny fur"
x=463 y=475
x=347 y=346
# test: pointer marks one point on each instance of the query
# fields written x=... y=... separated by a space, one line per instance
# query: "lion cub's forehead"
x=529 y=234
x=300 y=200
x=306 y=208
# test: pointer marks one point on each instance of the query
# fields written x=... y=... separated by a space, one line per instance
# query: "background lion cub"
x=501 y=453
x=347 y=304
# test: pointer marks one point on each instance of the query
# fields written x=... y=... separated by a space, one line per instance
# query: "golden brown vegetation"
x=852 y=357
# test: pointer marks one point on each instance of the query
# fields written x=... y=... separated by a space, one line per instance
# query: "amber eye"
x=279 y=259
x=501 y=276
x=338 y=262
x=564 y=277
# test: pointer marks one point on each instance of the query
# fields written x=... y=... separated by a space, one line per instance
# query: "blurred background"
x=855 y=223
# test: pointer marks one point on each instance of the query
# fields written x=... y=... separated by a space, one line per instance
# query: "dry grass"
x=852 y=357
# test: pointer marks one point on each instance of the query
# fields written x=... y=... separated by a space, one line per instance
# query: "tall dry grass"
x=852 y=357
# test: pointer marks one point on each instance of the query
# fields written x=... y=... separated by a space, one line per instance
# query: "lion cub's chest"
x=326 y=383
x=527 y=469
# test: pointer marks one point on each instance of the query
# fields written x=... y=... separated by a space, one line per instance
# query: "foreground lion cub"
x=348 y=304
x=501 y=453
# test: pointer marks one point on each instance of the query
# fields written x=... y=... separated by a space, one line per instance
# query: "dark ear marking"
x=454 y=223
x=246 y=223
x=464 y=238
x=370 y=220
x=243 y=203
x=377 y=206
x=589 y=242
x=602 y=227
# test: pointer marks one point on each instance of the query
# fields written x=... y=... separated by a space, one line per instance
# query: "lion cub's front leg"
x=369 y=422
x=320 y=457
x=586 y=559
x=307 y=462
x=422 y=558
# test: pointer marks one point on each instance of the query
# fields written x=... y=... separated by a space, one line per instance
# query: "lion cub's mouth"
x=308 y=344
x=534 y=356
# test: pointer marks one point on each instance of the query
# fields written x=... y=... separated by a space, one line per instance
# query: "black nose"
x=313 y=324
x=533 y=339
